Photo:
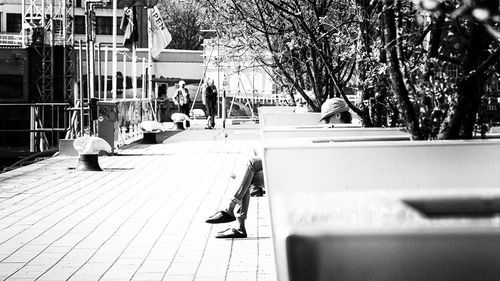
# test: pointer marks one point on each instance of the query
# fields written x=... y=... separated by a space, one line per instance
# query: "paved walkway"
x=142 y=218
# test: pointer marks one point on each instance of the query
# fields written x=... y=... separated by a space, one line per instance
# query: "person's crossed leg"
x=241 y=199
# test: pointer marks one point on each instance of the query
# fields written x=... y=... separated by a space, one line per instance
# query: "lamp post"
x=90 y=23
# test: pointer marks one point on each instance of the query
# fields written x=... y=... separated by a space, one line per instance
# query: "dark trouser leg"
x=243 y=192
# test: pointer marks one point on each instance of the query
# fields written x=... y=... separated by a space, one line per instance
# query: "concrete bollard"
x=179 y=126
x=88 y=150
x=88 y=162
x=149 y=130
x=181 y=121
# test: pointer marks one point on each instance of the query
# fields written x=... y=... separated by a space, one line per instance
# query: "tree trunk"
x=395 y=73
x=459 y=124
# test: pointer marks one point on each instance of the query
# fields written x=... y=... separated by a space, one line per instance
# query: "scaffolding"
x=46 y=24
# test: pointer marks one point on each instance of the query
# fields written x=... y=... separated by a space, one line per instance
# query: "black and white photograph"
x=250 y=140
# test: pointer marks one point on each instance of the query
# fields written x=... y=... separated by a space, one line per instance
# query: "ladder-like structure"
x=46 y=24
x=47 y=30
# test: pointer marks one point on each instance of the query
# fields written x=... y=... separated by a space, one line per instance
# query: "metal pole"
x=32 y=127
x=150 y=59
x=87 y=43
x=23 y=19
x=124 y=75
x=134 y=69
x=105 y=72
x=99 y=80
x=144 y=77
x=115 y=55
x=91 y=50
x=80 y=56
x=224 y=114
x=253 y=86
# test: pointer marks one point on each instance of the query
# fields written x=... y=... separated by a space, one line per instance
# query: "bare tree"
x=184 y=21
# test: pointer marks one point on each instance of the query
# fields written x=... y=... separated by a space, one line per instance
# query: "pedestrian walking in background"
x=182 y=99
x=209 y=99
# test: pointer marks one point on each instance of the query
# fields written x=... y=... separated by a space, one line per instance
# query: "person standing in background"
x=182 y=99
x=209 y=99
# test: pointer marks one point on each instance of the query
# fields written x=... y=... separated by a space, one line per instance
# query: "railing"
x=11 y=40
x=47 y=123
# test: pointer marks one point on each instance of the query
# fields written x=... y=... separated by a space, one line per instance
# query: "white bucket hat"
x=333 y=106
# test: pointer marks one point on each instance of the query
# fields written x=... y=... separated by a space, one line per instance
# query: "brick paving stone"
x=29 y=272
x=241 y=275
x=171 y=277
x=154 y=266
x=147 y=276
x=8 y=268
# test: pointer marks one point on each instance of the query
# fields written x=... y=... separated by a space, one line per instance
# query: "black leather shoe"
x=220 y=217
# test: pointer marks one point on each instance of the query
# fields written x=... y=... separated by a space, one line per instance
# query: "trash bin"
x=108 y=122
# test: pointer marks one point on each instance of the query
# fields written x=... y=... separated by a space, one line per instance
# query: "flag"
x=130 y=3
x=129 y=27
x=159 y=37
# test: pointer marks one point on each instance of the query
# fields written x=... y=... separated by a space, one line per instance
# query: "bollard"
x=149 y=138
x=149 y=130
x=179 y=125
x=88 y=150
x=88 y=162
x=181 y=121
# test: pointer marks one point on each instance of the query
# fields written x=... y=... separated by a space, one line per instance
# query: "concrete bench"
x=280 y=132
x=275 y=109
x=289 y=119
x=384 y=210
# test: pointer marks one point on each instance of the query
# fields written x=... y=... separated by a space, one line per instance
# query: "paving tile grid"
x=142 y=218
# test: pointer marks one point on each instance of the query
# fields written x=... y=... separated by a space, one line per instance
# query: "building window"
x=105 y=26
x=79 y=24
x=81 y=4
x=14 y=23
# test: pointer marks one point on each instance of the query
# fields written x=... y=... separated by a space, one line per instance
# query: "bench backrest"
x=274 y=110
x=430 y=164
x=293 y=167
x=280 y=132
x=289 y=119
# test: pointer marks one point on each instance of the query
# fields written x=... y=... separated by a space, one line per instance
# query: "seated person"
x=333 y=111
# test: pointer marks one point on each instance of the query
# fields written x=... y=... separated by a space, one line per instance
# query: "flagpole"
x=114 y=52
x=134 y=69
x=150 y=58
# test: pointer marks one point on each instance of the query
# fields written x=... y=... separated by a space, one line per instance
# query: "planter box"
x=367 y=210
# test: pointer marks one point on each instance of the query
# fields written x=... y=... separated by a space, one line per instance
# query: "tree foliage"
x=422 y=63
x=184 y=22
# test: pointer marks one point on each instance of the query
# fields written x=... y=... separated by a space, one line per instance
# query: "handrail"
x=46 y=124
x=36 y=104
x=11 y=40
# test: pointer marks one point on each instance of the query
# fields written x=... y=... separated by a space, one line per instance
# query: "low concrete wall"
x=289 y=119
x=337 y=203
x=322 y=132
